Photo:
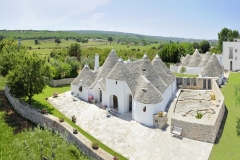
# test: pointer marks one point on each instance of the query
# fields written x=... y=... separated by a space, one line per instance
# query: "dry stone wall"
x=199 y=131
x=194 y=83
x=52 y=122
x=61 y=82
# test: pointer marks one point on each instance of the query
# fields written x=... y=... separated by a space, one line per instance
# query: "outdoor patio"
x=126 y=136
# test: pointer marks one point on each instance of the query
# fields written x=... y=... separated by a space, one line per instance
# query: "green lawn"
x=28 y=144
x=40 y=102
x=185 y=75
x=229 y=144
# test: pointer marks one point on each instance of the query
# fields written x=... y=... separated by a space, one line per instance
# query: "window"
x=80 y=89
x=116 y=82
x=144 y=69
x=209 y=83
x=236 y=50
x=230 y=53
x=144 y=109
x=194 y=81
x=188 y=81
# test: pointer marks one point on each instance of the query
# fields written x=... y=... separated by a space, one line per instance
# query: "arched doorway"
x=130 y=102
x=115 y=102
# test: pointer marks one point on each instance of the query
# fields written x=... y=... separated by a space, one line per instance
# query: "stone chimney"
x=96 y=66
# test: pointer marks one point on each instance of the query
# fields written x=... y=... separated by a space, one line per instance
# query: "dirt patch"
x=12 y=118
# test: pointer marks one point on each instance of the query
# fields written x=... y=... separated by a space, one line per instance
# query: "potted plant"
x=115 y=158
x=104 y=107
x=95 y=145
x=74 y=119
x=160 y=114
x=61 y=119
x=75 y=131
x=43 y=111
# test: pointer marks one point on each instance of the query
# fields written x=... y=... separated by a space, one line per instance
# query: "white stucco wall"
x=189 y=70
x=174 y=68
x=121 y=90
x=225 y=56
x=83 y=95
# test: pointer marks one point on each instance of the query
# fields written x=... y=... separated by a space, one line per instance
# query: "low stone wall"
x=52 y=122
x=203 y=131
x=61 y=82
x=194 y=83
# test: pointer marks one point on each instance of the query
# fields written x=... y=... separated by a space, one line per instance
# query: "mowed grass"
x=229 y=145
x=40 y=102
x=185 y=75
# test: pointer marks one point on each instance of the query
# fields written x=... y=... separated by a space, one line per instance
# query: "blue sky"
x=171 y=18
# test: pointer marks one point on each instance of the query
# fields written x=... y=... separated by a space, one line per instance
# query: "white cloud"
x=25 y=14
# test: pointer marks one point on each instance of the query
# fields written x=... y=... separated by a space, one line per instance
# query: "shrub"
x=95 y=145
x=213 y=97
x=199 y=115
x=238 y=127
x=160 y=114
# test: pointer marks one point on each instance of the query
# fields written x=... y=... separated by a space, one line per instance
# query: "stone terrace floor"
x=128 y=137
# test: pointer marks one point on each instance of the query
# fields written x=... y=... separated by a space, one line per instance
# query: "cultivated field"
x=46 y=46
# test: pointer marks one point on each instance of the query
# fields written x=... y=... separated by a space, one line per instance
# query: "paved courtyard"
x=128 y=137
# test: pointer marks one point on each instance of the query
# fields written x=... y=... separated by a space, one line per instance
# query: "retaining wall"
x=203 y=131
x=61 y=82
x=52 y=122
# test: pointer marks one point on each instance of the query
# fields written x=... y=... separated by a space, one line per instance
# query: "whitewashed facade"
x=230 y=57
x=141 y=87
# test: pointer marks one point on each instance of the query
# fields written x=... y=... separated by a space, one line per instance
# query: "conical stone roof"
x=195 y=59
x=158 y=67
x=107 y=66
x=186 y=60
x=146 y=93
x=205 y=59
x=212 y=68
x=86 y=77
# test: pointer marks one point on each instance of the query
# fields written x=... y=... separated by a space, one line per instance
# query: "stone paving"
x=128 y=137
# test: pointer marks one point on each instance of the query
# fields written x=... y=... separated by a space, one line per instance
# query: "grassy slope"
x=14 y=146
x=229 y=145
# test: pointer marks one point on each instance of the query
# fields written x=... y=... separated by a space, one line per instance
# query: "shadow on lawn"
x=221 y=128
x=39 y=105
x=12 y=118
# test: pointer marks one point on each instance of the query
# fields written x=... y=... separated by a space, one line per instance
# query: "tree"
x=110 y=39
x=195 y=45
x=226 y=35
x=75 y=50
x=204 y=46
x=238 y=127
x=29 y=76
x=36 y=41
x=58 y=40
x=182 y=70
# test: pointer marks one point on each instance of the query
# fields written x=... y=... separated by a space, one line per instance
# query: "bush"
x=238 y=127
x=199 y=115
x=160 y=114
